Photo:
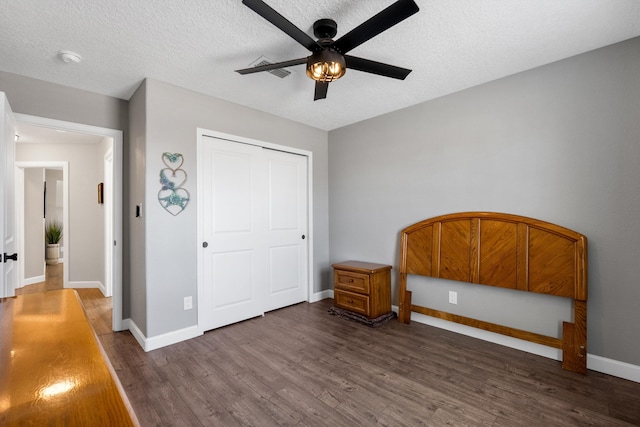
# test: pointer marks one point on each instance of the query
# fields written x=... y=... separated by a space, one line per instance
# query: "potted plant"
x=52 y=237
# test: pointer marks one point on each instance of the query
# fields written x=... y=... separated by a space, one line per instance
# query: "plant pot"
x=52 y=254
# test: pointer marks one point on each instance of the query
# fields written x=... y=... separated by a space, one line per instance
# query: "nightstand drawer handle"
x=350 y=280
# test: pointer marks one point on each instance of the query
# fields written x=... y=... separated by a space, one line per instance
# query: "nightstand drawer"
x=350 y=281
x=350 y=301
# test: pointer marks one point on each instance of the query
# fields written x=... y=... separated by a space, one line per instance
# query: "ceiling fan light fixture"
x=326 y=66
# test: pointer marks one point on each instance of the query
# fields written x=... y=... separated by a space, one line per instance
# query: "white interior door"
x=8 y=252
x=233 y=265
x=253 y=214
x=287 y=225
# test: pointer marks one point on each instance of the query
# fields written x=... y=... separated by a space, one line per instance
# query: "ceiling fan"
x=329 y=60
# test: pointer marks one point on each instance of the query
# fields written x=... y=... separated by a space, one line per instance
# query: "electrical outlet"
x=453 y=297
x=188 y=303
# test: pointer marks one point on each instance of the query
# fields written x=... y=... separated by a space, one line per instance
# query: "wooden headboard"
x=507 y=251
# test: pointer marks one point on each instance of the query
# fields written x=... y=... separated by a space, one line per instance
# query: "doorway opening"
x=102 y=216
x=35 y=206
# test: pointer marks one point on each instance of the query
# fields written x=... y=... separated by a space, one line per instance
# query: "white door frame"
x=8 y=272
x=108 y=222
x=19 y=191
x=117 y=211
x=204 y=133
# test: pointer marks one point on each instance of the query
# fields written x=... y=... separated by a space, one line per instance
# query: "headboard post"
x=404 y=314
x=404 y=297
x=574 y=340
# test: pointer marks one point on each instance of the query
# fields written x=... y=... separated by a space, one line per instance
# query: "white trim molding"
x=33 y=280
x=319 y=296
x=85 y=285
x=613 y=367
x=159 y=341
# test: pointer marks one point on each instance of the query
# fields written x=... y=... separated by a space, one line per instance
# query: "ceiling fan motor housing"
x=325 y=28
x=325 y=65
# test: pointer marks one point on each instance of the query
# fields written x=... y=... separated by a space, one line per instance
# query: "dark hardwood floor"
x=302 y=366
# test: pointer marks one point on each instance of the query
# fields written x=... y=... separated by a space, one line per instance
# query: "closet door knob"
x=205 y=244
x=303 y=236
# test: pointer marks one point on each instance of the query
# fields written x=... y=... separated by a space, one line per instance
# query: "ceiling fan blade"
x=397 y=12
x=321 y=90
x=274 y=66
x=374 y=67
x=268 y=13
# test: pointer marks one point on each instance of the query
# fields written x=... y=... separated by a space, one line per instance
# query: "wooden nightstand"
x=362 y=287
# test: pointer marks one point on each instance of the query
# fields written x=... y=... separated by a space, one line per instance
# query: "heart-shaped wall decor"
x=172 y=160
x=172 y=178
x=172 y=197
x=174 y=201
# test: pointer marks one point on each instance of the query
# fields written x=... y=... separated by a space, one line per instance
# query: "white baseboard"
x=33 y=280
x=125 y=325
x=614 y=367
x=529 y=347
x=153 y=343
x=596 y=363
x=85 y=285
x=319 y=296
x=136 y=332
x=103 y=289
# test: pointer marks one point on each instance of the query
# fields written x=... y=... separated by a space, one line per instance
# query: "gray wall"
x=33 y=223
x=557 y=143
x=84 y=241
x=44 y=99
x=136 y=158
x=173 y=115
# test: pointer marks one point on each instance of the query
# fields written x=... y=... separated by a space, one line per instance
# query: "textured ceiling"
x=196 y=44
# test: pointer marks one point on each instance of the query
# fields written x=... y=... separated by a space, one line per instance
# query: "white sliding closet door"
x=287 y=222
x=254 y=209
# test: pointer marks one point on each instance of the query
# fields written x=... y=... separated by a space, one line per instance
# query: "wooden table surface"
x=53 y=370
